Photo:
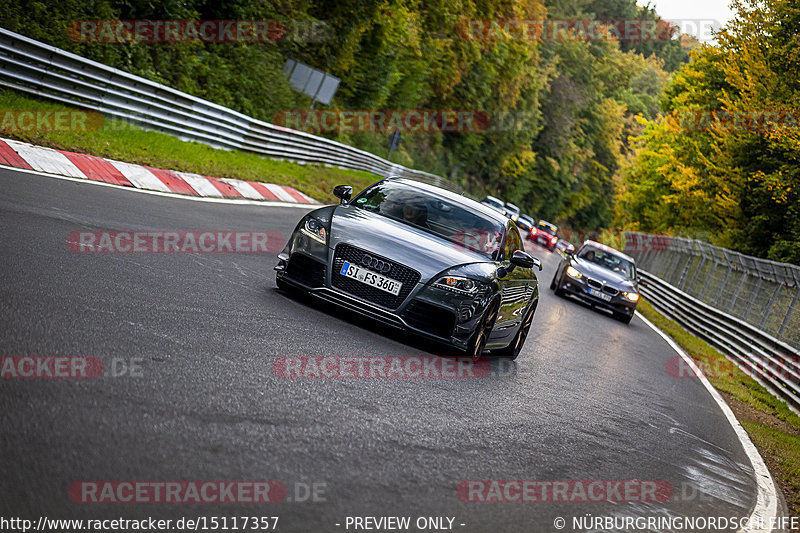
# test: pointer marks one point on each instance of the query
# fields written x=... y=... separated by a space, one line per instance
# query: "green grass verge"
x=772 y=426
x=121 y=141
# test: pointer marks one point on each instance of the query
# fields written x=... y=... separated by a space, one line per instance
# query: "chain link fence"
x=762 y=293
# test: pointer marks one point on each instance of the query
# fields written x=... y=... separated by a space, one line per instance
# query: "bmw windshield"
x=608 y=261
x=452 y=221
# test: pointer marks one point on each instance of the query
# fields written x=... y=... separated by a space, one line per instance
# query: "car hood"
x=596 y=272
x=399 y=242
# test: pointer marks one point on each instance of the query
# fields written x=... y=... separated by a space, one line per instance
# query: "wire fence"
x=760 y=292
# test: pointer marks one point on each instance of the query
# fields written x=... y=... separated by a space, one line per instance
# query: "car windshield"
x=608 y=260
x=449 y=220
x=547 y=228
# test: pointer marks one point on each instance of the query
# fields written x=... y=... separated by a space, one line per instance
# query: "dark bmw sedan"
x=601 y=276
x=419 y=258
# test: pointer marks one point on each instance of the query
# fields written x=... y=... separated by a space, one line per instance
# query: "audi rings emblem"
x=375 y=264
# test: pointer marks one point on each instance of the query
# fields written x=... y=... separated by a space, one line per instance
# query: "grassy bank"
x=121 y=141
x=772 y=426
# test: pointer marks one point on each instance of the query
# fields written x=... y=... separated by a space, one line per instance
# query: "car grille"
x=407 y=276
x=430 y=318
x=306 y=270
x=593 y=283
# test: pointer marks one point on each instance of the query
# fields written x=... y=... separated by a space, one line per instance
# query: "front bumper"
x=434 y=313
x=579 y=288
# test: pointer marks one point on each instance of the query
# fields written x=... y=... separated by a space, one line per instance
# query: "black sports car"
x=420 y=258
x=601 y=276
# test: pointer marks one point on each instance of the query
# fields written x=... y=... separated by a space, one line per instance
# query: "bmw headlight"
x=460 y=285
x=573 y=273
x=313 y=228
x=632 y=296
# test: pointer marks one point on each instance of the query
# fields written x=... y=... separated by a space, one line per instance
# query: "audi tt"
x=422 y=259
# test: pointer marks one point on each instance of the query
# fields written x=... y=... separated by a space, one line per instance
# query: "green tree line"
x=570 y=104
x=722 y=160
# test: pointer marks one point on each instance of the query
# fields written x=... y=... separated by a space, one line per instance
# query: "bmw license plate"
x=373 y=279
x=600 y=294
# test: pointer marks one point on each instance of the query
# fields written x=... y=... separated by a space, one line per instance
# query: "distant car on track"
x=419 y=258
x=545 y=234
x=496 y=204
x=525 y=224
x=601 y=276
x=565 y=246
x=512 y=211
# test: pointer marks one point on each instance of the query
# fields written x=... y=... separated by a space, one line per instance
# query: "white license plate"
x=373 y=279
x=600 y=294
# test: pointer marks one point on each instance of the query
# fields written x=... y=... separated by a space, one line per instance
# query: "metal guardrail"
x=37 y=68
x=729 y=300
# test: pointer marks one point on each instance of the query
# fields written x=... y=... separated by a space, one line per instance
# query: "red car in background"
x=546 y=234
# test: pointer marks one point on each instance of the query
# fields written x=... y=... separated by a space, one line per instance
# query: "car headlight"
x=554 y=240
x=313 y=228
x=466 y=286
x=573 y=273
x=632 y=296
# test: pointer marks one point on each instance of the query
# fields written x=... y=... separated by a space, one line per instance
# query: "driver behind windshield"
x=589 y=256
x=415 y=212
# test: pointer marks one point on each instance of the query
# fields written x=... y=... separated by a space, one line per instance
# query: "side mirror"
x=343 y=193
x=525 y=260
x=641 y=282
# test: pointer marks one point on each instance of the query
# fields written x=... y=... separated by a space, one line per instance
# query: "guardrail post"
x=682 y=281
x=722 y=286
x=674 y=270
x=696 y=275
x=789 y=312
x=708 y=279
x=769 y=305
x=753 y=299
x=738 y=290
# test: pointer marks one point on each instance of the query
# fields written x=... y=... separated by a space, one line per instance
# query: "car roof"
x=455 y=197
x=548 y=223
x=608 y=249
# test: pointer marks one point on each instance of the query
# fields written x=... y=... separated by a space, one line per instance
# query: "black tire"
x=477 y=343
x=513 y=350
x=555 y=285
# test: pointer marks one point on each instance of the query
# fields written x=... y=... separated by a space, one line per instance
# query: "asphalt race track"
x=589 y=399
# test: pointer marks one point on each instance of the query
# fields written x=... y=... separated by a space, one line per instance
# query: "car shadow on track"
x=393 y=333
x=598 y=310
